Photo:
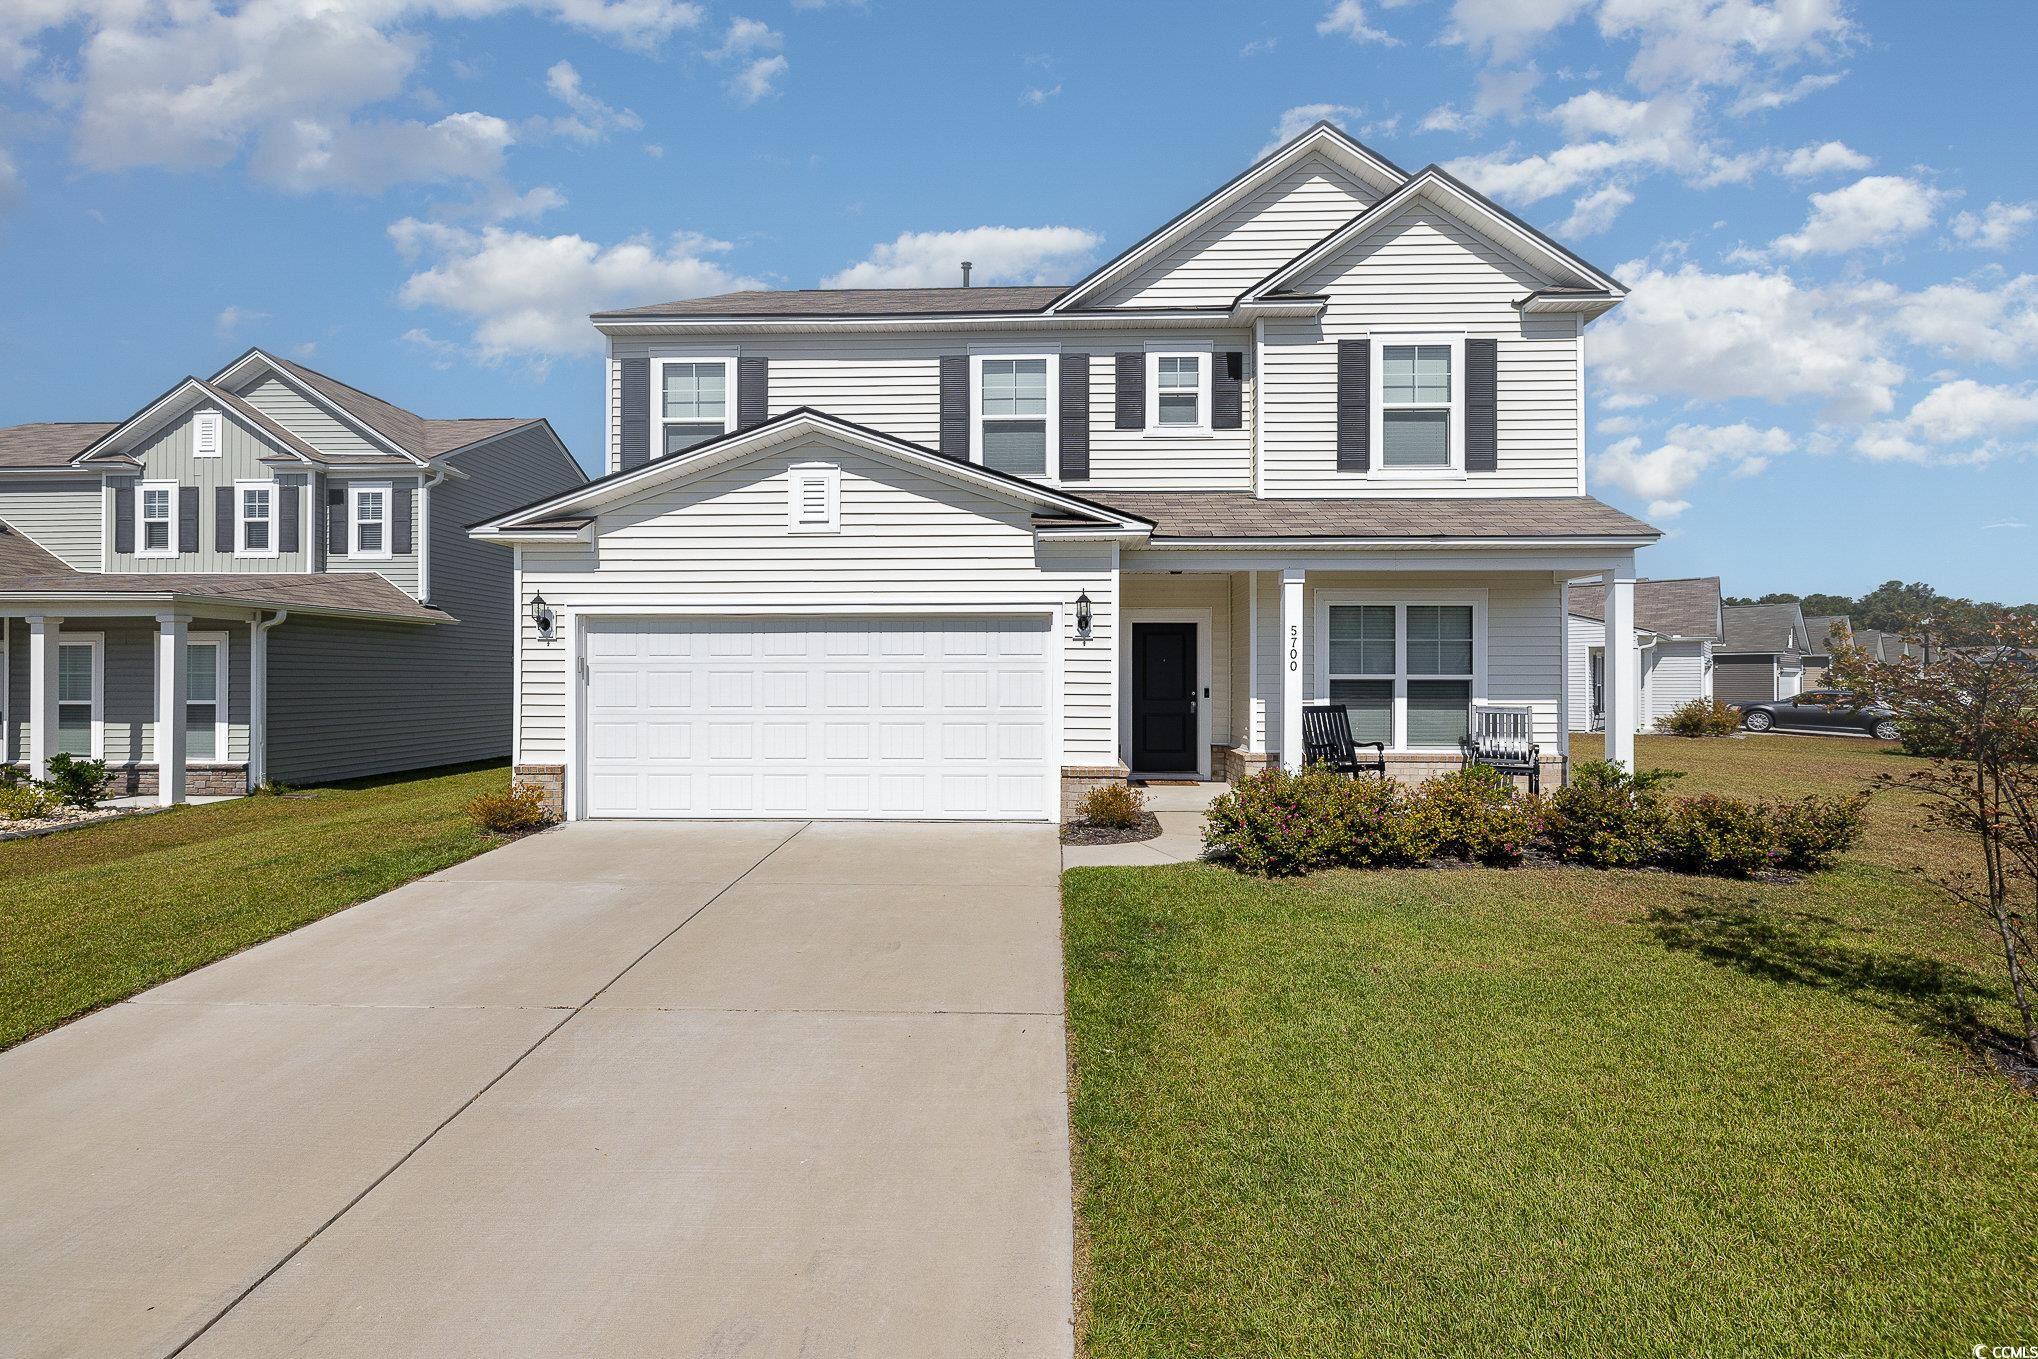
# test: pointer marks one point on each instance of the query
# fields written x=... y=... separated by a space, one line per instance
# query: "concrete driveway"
x=734 y=1090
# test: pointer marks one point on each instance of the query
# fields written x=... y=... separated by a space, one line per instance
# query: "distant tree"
x=1896 y=607
x=1821 y=605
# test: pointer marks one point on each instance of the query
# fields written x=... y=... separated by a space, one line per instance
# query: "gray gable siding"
x=167 y=457
x=400 y=568
x=307 y=420
x=348 y=700
x=61 y=514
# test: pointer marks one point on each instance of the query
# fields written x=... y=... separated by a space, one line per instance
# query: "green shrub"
x=1723 y=837
x=22 y=801
x=1700 y=717
x=1814 y=831
x=1606 y=817
x=75 y=782
x=1475 y=814
x=1116 y=805
x=1276 y=824
x=517 y=811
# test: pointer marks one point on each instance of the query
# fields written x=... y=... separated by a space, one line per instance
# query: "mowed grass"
x=1552 y=1112
x=92 y=916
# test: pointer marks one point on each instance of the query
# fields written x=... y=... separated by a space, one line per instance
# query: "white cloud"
x=1662 y=474
x=2004 y=524
x=1595 y=212
x=1295 y=121
x=527 y=295
x=1347 y=18
x=1875 y=210
x=366 y=157
x=1038 y=96
x=591 y=119
x=919 y=259
x=1992 y=319
x=1995 y=226
x=1824 y=159
x=1762 y=98
x=232 y=318
x=1259 y=47
x=1965 y=410
x=745 y=36
x=1504 y=29
x=758 y=79
x=12 y=191
x=755 y=46
x=1667 y=509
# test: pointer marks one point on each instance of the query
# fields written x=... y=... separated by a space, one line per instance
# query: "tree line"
x=1909 y=610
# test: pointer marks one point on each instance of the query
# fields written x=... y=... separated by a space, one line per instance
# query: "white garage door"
x=840 y=717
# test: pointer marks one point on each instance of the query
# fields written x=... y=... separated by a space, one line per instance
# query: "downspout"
x=258 y=697
x=425 y=535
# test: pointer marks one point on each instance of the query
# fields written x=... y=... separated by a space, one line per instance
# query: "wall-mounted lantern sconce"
x=1084 y=612
x=542 y=616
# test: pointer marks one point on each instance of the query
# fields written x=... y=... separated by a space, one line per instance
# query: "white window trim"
x=1154 y=428
x=803 y=474
x=1379 y=471
x=354 y=491
x=214 y=421
x=1401 y=599
x=241 y=548
x=141 y=520
x=657 y=402
x=97 y=641
x=1051 y=474
x=224 y=687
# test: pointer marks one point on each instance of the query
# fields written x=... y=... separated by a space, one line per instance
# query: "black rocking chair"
x=1327 y=739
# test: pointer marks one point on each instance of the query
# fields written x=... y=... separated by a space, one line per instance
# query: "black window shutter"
x=633 y=435
x=336 y=521
x=1075 y=417
x=1227 y=389
x=223 y=520
x=1131 y=397
x=400 y=539
x=1482 y=405
x=287 y=530
x=1354 y=405
x=187 y=518
x=955 y=406
x=753 y=390
x=123 y=516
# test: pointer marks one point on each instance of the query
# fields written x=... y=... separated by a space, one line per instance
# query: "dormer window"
x=158 y=504
x=1178 y=393
x=205 y=434
x=695 y=403
x=1015 y=413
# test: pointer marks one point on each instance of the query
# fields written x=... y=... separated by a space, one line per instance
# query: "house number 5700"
x=1294 y=647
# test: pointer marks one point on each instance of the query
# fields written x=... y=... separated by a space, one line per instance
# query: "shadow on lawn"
x=1763 y=942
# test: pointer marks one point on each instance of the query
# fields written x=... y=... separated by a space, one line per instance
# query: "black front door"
x=1164 y=698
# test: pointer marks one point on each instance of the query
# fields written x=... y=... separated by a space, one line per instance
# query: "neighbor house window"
x=257 y=536
x=694 y=403
x=1014 y=409
x=1416 y=406
x=370 y=519
x=1406 y=673
x=78 y=697
x=158 y=515
x=1180 y=391
x=205 y=697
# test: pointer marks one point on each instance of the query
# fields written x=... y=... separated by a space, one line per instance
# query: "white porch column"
x=1623 y=671
x=42 y=692
x=172 y=660
x=1292 y=579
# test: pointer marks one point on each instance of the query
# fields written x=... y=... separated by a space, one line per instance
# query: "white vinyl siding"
x=1212 y=592
x=1673 y=673
x=720 y=543
x=1422 y=273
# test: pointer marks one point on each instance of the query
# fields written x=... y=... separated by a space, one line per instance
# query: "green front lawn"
x=91 y=916
x=1549 y=1112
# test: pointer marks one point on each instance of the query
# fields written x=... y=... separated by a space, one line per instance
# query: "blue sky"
x=1825 y=209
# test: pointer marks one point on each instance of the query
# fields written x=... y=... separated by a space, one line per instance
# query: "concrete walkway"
x=732 y=1090
x=1179 y=809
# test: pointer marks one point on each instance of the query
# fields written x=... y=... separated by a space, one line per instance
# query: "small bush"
x=1700 y=717
x=23 y=801
x=1277 y=824
x=1814 y=831
x=76 y=783
x=1606 y=817
x=1475 y=814
x=1116 y=805
x=1723 y=837
x=516 y=811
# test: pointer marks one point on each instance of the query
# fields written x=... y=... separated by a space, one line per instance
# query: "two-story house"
x=265 y=574
x=963 y=552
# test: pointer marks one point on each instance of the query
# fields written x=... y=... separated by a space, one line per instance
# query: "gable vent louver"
x=814 y=504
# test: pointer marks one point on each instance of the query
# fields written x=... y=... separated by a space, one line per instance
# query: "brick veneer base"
x=1235 y=764
x=1077 y=780
x=200 y=780
x=551 y=778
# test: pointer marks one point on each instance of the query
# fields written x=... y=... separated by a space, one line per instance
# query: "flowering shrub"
x=1117 y=805
x=1724 y=837
x=1814 y=831
x=1700 y=717
x=1475 y=814
x=1606 y=817
x=1276 y=824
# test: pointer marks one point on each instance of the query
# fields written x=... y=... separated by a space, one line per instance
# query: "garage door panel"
x=842 y=717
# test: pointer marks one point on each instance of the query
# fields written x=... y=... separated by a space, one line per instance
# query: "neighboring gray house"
x=1826 y=632
x=1677 y=623
x=277 y=561
x=1762 y=653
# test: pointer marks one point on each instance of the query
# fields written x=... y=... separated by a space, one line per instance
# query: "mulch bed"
x=1085 y=833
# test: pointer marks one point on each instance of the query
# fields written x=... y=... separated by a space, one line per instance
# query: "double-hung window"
x=369 y=517
x=1406 y=673
x=694 y=403
x=158 y=537
x=205 y=696
x=256 y=502
x=80 y=685
x=1419 y=417
x=1015 y=411
x=1178 y=387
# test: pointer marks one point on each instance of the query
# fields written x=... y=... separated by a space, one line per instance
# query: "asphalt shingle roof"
x=51 y=444
x=761 y=302
x=407 y=429
x=1689 y=607
x=1238 y=514
x=1763 y=627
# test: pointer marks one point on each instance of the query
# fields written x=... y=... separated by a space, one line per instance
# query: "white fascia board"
x=143 y=421
x=582 y=533
x=1171 y=319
